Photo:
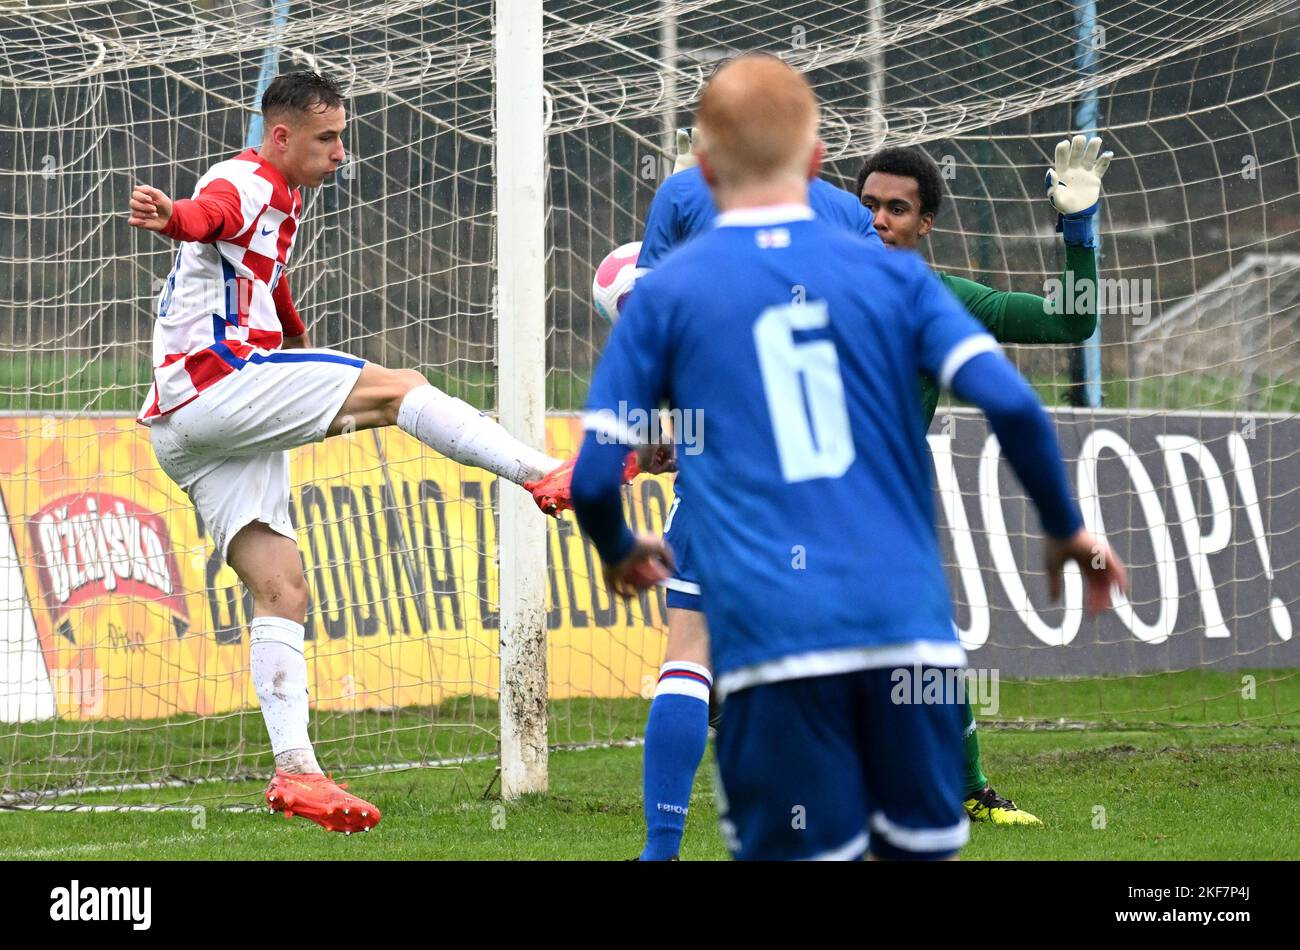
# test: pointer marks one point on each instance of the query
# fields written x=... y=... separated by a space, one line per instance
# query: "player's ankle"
x=540 y=471
x=297 y=762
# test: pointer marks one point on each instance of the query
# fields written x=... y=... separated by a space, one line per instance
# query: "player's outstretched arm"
x=1069 y=314
x=215 y=214
x=628 y=378
x=1073 y=188
x=631 y=562
x=1029 y=444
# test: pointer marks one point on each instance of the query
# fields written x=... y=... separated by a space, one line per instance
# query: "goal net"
x=124 y=660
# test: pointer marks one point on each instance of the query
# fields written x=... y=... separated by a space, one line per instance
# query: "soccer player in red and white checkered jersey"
x=236 y=384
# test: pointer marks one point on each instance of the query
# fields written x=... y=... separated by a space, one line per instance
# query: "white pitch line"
x=79 y=850
x=77 y=807
x=38 y=801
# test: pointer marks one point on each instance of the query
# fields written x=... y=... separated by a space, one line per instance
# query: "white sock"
x=459 y=431
x=280 y=677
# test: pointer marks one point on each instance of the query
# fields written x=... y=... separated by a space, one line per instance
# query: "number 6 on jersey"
x=805 y=393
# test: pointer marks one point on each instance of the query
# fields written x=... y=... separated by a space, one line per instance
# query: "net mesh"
x=395 y=262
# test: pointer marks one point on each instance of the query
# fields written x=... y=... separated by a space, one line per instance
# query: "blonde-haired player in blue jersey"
x=901 y=190
x=677 y=728
x=801 y=394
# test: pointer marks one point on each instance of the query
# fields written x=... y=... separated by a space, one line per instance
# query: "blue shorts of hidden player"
x=683 y=587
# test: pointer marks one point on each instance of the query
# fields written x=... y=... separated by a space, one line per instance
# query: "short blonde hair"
x=757 y=117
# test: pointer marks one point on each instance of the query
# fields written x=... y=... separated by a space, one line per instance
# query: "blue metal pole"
x=1086 y=113
x=270 y=66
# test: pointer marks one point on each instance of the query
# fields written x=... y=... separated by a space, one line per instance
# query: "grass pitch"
x=1170 y=766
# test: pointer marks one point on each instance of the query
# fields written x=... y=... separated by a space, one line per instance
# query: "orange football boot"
x=317 y=798
x=552 y=493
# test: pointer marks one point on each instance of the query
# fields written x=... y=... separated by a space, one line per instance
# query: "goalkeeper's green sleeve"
x=1029 y=318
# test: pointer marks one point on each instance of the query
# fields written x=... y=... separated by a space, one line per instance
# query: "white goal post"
x=521 y=373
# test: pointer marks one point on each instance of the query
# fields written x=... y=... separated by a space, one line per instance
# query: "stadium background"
x=395 y=259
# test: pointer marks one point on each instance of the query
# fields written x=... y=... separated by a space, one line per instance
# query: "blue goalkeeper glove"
x=1074 y=186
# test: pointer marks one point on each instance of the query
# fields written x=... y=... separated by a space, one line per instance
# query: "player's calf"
x=270 y=566
x=683 y=707
x=446 y=424
x=676 y=735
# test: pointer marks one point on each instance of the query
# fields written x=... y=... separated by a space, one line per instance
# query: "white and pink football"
x=614 y=279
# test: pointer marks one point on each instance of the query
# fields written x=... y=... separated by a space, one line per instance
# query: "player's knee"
x=283 y=596
x=688 y=636
x=293 y=596
x=401 y=382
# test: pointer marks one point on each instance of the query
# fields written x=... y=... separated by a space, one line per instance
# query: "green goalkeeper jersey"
x=1025 y=318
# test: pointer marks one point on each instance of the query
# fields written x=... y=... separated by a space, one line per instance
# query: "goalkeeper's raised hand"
x=1074 y=186
x=685 y=150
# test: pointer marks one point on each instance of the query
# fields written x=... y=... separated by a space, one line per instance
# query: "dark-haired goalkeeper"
x=904 y=190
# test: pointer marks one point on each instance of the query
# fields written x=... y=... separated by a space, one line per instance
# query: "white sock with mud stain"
x=462 y=433
x=280 y=677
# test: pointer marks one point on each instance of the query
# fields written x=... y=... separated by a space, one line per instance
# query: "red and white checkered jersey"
x=226 y=299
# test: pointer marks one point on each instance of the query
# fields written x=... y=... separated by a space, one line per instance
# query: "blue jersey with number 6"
x=799 y=346
x=683 y=209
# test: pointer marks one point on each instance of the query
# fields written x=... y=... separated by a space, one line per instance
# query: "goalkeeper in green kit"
x=904 y=189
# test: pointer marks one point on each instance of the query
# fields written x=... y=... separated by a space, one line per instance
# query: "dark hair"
x=301 y=91
x=908 y=163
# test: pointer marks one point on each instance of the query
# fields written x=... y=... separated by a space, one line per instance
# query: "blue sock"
x=675 y=737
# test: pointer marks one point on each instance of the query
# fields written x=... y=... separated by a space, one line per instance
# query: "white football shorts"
x=228 y=449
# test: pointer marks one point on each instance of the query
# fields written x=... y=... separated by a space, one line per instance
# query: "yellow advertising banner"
x=138 y=617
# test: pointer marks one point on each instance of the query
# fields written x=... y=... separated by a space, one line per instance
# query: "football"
x=614 y=279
